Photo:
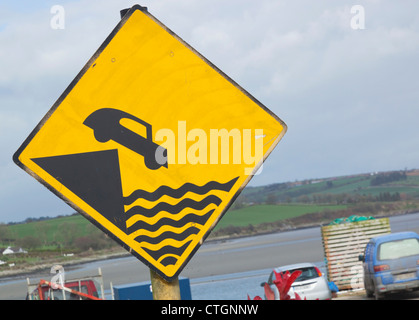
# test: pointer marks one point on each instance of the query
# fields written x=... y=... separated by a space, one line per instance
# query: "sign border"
x=90 y=62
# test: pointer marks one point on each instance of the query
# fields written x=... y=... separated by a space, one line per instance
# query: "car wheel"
x=151 y=163
x=368 y=290
x=101 y=137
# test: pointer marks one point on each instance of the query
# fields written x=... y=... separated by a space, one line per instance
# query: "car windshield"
x=306 y=273
x=398 y=249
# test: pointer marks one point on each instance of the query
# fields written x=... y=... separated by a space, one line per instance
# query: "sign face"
x=151 y=143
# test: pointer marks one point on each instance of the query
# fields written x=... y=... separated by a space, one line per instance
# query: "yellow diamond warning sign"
x=151 y=142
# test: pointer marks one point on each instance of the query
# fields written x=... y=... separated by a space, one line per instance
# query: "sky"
x=342 y=74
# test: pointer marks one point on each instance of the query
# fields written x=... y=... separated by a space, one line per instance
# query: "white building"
x=12 y=250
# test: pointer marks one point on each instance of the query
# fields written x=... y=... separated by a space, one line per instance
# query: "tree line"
x=388 y=177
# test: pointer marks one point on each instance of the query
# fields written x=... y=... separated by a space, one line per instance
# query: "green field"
x=255 y=206
x=258 y=214
x=52 y=234
x=53 y=229
x=306 y=191
x=56 y=230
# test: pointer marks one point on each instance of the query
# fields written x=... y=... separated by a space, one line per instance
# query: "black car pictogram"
x=106 y=125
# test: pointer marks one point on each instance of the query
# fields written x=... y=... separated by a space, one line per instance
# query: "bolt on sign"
x=151 y=142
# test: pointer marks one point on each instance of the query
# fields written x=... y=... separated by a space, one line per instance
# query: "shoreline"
x=115 y=253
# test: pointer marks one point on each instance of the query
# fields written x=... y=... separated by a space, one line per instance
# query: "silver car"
x=310 y=285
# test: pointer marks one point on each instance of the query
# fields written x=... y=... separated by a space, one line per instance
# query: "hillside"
x=270 y=208
x=290 y=205
x=348 y=189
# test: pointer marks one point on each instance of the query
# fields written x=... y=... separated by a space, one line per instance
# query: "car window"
x=134 y=126
x=398 y=249
x=72 y=296
x=306 y=273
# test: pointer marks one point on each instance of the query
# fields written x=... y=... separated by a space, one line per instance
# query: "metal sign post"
x=163 y=290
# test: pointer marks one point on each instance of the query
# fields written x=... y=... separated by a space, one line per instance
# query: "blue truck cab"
x=391 y=263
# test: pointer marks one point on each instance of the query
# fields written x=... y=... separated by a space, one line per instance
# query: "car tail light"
x=318 y=271
x=381 y=267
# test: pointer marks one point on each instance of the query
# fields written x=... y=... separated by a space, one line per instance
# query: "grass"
x=348 y=187
x=353 y=185
x=53 y=229
x=258 y=214
x=410 y=186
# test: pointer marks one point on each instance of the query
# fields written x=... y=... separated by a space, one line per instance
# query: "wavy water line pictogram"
x=166 y=243
x=164 y=214
x=173 y=209
x=168 y=259
x=167 y=247
x=171 y=258
x=165 y=230
x=187 y=218
x=168 y=234
x=148 y=205
x=180 y=192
